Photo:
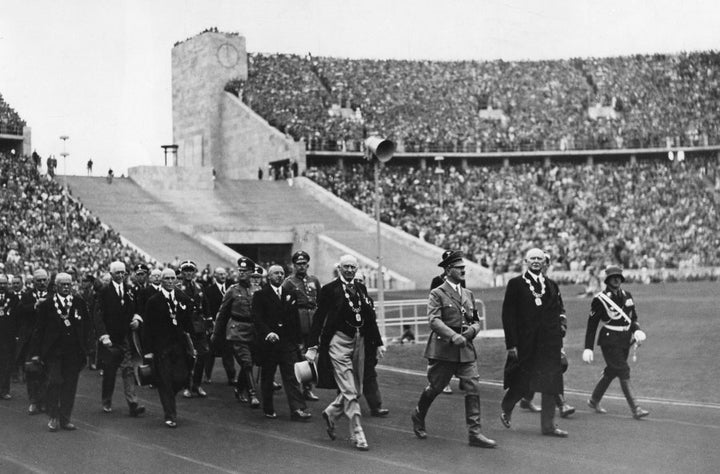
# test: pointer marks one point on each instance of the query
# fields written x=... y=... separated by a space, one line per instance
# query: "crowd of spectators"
x=10 y=121
x=473 y=106
x=43 y=227
x=652 y=214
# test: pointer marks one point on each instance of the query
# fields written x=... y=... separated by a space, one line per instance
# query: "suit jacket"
x=450 y=313
x=113 y=315
x=159 y=332
x=214 y=298
x=536 y=332
x=330 y=317
x=27 y=320
x=142 y=295
x=51 y=326
x=9 y=318
x=273 y=315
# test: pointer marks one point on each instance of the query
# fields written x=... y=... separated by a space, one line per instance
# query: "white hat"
x=305 y=371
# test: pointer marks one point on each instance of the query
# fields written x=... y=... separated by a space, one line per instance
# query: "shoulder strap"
x=606 y=300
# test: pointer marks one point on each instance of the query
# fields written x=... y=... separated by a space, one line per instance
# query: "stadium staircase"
x=167 y=224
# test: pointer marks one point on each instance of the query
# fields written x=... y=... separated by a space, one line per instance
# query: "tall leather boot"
x=420 y=411
x=250 y=384
x=565 y=409
x=598 y=393
x=472 y=419
x=627 y=391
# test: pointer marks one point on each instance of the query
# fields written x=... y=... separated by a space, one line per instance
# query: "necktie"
x=277 y=290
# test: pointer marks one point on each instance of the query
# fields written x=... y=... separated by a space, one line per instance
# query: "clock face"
x=228 y=55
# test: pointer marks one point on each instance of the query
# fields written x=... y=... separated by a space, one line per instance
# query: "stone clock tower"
x=201 y=66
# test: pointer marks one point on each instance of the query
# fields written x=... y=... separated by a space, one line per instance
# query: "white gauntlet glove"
x=639 y=336
x=588 y=356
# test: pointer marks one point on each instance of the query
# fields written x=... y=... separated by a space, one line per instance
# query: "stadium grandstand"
x=640 y=101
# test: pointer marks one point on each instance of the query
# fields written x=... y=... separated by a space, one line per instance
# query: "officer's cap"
x=188 y=266
x=300 y=256
x=245 y=263
x=141 y=268
x=453 y=256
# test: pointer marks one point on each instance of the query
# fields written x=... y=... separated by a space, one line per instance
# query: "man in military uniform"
x=450 y=351
x=8 y=331
x=532 y=315
x=140 y=286
x=27 y=320
x=306 y=287
x=615 y=308
x=59 y=342
x=234 y=323
x=215 y=292
x=201 y=324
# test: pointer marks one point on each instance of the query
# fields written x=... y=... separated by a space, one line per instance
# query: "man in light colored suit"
x=450 y=351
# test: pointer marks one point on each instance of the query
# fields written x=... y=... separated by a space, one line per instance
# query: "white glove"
x=311 y=354
x=381 y=352
x=588 y=356
x=105 y=340
x=639 y=336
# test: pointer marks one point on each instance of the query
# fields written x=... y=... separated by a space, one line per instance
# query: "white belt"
x=618 y=328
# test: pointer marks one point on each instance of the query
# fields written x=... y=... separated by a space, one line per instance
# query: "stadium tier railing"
x=413 y=313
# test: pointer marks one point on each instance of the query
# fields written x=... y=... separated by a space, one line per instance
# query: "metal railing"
x=401 y=315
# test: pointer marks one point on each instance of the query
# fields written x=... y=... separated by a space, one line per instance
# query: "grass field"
x=679 y=360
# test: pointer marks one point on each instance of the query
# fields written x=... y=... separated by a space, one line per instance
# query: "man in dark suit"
x=275 y=313
x=534 y=324
x=27 y=321
x=115 y=317
x=59 y=343
x=167 y=342
x=8 y=331
x=454 y=322
x=215 y=292
x=344 y=319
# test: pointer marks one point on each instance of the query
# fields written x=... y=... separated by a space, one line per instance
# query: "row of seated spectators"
x=10 y=121
x=654 y=214
x=655 y=101
x=33 y=229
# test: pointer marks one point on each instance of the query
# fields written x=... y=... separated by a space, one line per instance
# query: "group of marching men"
x=172 y=327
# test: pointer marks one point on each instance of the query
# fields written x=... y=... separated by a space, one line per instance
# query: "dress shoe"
x=33 y=409
x=200 y=392
x=309 y=396
x=557 y=432
x=596 y=406
x=272 y=415
x=379 y=412
x=241 y=396
x=505 y=419
x=566 y=410
x=68 y=426
x=187 y=393
x=171 y=423
x=107 y=409
x=300 y=415
x=254 y=402
x=6 y=396
x=447 y=389
x=529 y=405
x=418 y=424
x=53 y=425
x=481 y=441
x=136 y=410
x=361 y=443
x=330 y=425
x=639 y=413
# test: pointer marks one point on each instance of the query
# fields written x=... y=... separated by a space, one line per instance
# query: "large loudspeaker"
x=383 y=148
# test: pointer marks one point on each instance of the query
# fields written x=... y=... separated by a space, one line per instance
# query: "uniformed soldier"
x=8 y=332
x=201 y=324
x=615 y=308
x=306 y=288
x=235 y=323
x=454 y=322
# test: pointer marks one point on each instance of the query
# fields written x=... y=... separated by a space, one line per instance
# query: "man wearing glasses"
x=115 y=317
x=454 y=322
